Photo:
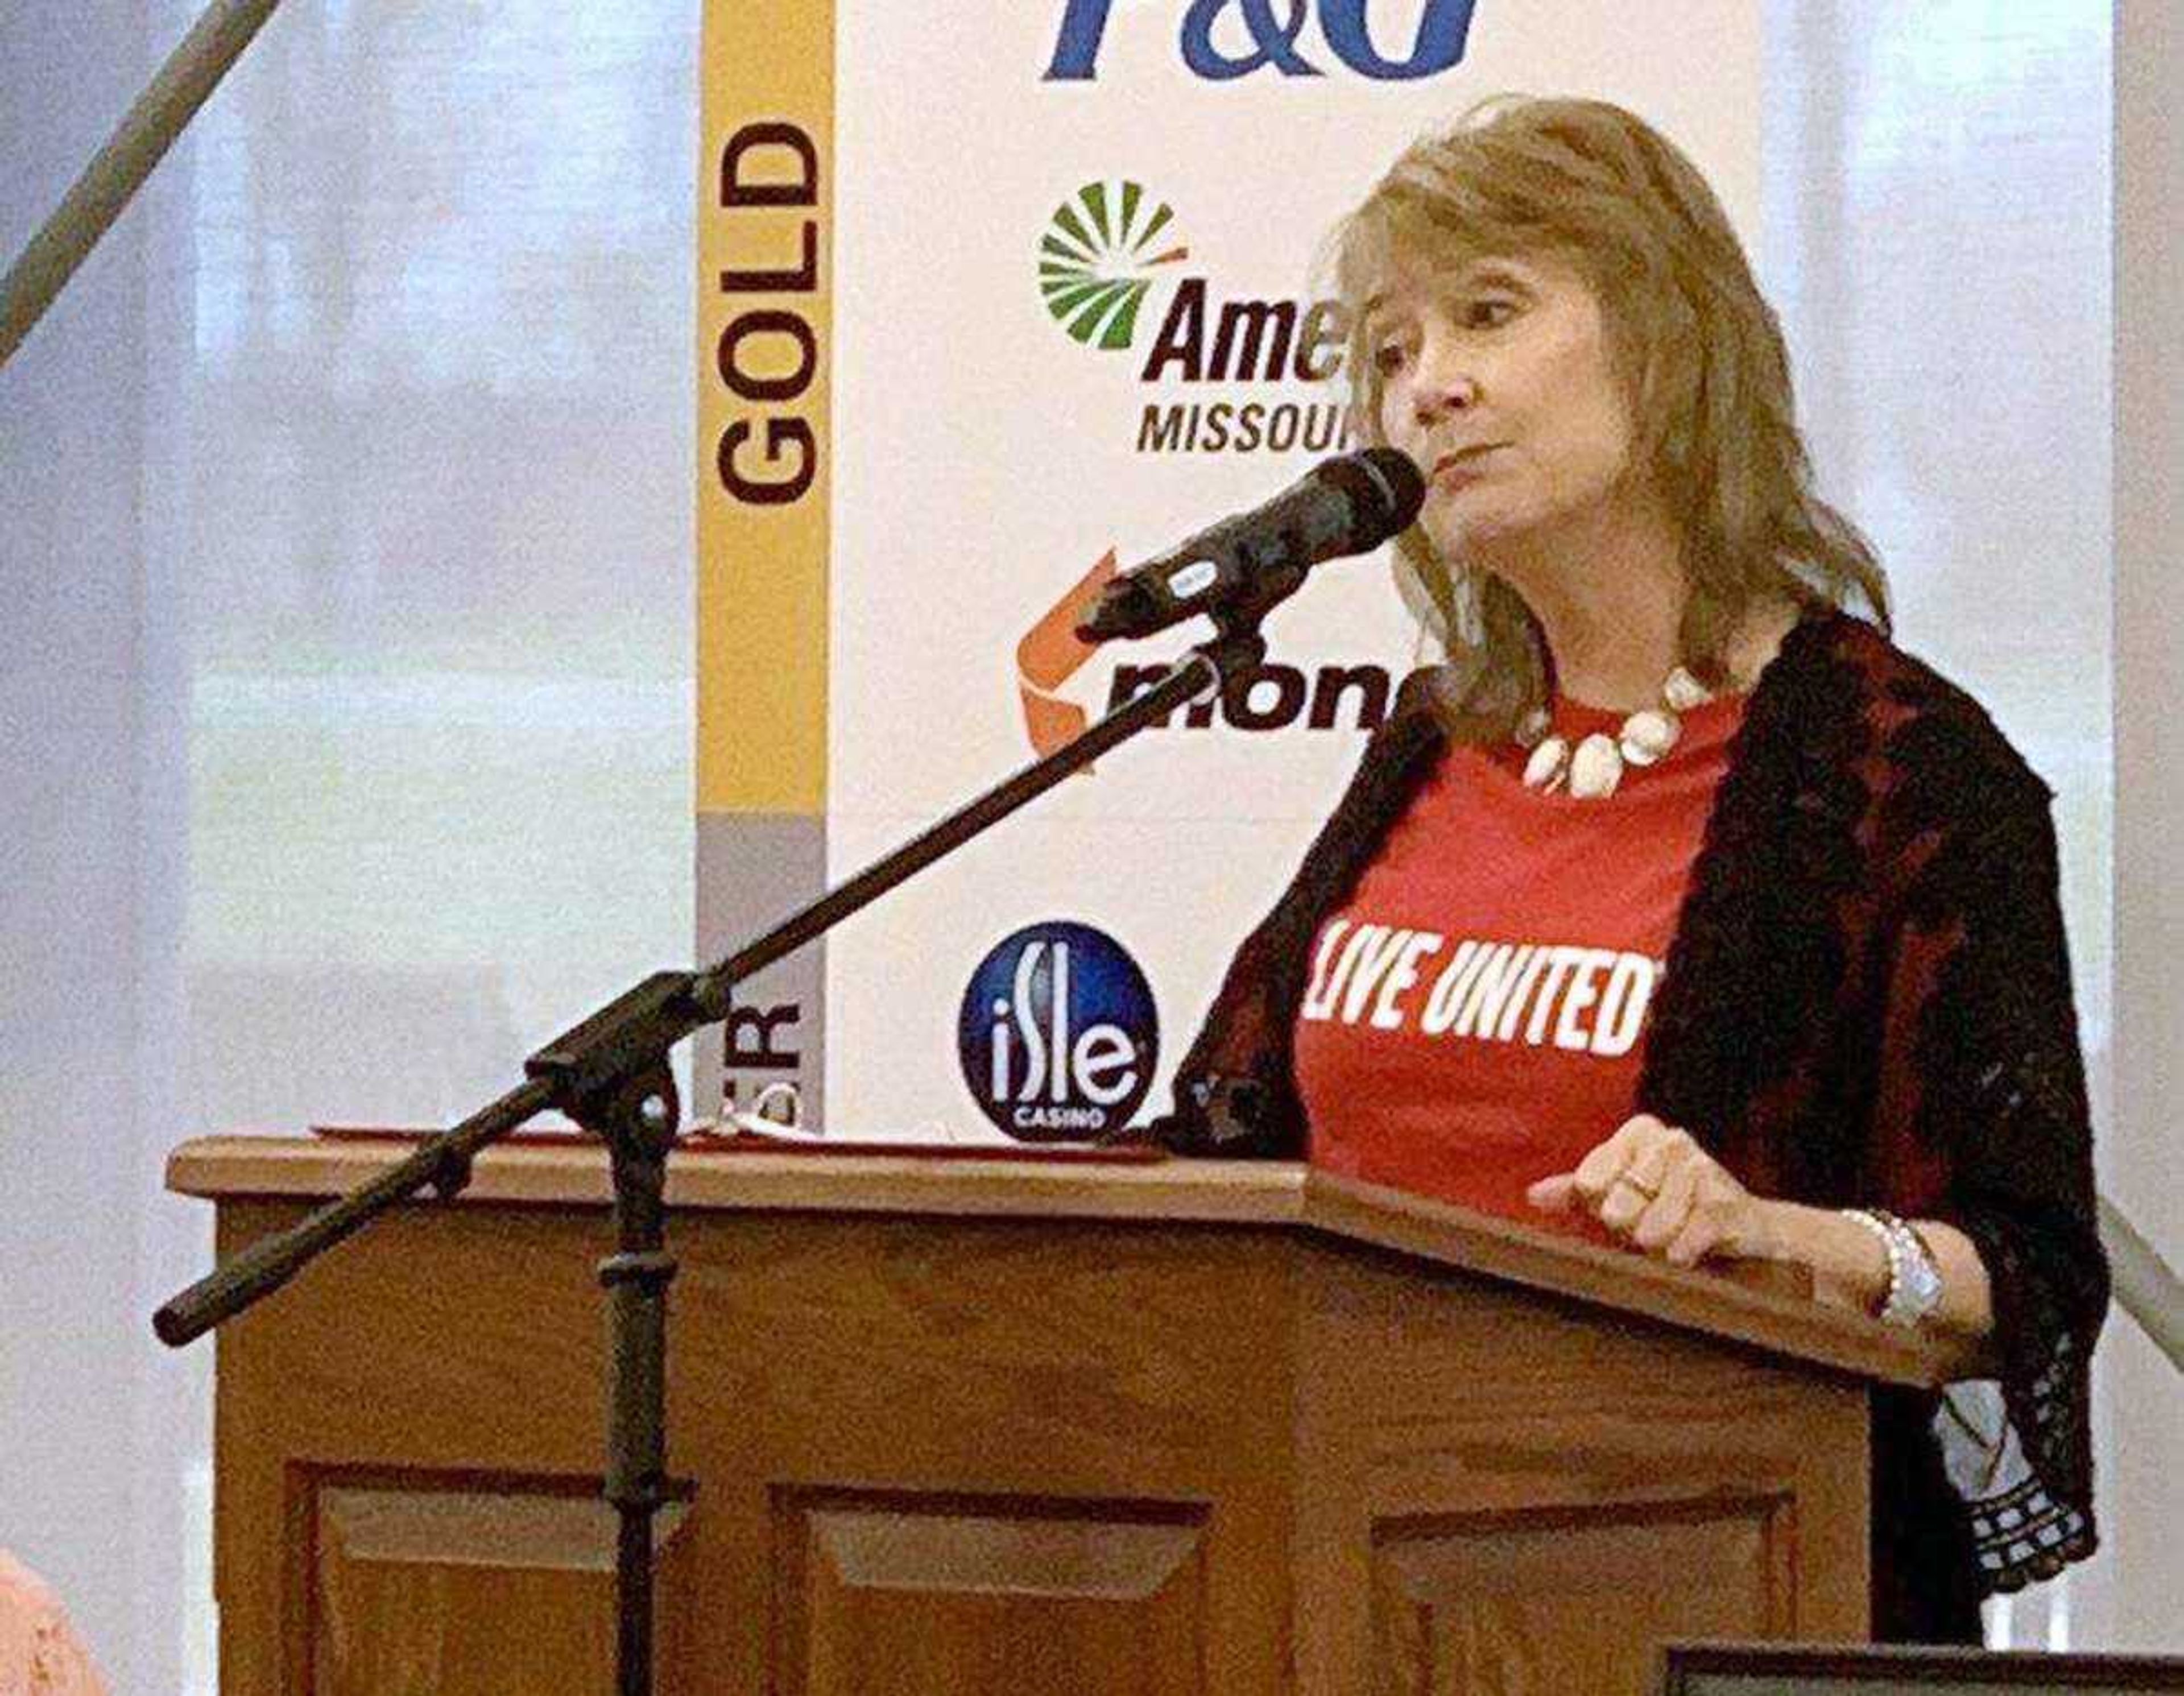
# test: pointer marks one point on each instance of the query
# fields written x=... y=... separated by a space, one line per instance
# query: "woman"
x=1681 y=908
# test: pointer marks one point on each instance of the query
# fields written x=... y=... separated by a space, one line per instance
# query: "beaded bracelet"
x=1914 y=1281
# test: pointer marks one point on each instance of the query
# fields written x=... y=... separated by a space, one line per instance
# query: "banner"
x=766 y=476
x=994 y=300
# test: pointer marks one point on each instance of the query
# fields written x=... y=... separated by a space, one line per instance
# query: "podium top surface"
x=1751 y=1305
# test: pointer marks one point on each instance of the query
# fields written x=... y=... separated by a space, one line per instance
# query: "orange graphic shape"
x=1051 y=653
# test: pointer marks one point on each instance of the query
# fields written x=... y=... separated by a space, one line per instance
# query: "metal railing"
x=118 y=170
x=2145 y=1286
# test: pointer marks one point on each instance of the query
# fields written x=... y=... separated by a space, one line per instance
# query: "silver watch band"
x=1914 y=1281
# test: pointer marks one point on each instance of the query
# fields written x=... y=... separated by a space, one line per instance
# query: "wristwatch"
x=1914 y=1281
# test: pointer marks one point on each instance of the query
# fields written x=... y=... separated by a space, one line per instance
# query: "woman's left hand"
x=1653 y=1186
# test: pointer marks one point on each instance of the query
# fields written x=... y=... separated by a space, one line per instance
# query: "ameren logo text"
x=1243 y=340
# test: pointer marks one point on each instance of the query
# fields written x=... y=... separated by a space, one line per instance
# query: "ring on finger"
x=1646 y=1190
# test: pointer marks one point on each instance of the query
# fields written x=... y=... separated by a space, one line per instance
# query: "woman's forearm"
x=1850 y=1269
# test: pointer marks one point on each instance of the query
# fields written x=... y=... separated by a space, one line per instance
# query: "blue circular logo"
x=1058 y=1034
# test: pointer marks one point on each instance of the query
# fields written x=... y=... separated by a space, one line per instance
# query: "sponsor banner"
x=1075 y=316
x=765 y=185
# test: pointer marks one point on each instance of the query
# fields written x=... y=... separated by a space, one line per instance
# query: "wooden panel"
x=1514 y=1603
x=466 y=1587
x=890 y=1594
x=949 y=1359
x=1428 y=1401
x=901 y=1421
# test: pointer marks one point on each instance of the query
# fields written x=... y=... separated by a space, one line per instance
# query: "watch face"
x=1922 y=1278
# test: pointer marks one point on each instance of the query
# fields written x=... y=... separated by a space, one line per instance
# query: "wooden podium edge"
x=1006 y=1185
x=1748 y=1306
x=1757 y=1305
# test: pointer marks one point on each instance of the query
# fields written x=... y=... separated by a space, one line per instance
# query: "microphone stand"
x=609 y=1073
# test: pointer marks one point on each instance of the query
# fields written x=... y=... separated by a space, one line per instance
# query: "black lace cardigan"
x=1867 y=1002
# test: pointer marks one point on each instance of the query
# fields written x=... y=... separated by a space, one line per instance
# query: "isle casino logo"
x=1058 y=1034
x=1102 y=258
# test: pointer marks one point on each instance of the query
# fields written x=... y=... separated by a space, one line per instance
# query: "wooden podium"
x=1011 y=1426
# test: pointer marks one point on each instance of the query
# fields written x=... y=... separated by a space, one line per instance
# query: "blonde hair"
x=1698 y=348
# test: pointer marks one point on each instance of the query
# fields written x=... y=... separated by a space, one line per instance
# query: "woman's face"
x=1498 y=380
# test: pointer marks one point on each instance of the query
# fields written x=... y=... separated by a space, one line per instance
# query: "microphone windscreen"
x=1381 y=490
x=1401 y=485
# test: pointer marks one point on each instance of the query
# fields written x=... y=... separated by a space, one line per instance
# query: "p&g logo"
x=1273 y=27
x=1058 y=1034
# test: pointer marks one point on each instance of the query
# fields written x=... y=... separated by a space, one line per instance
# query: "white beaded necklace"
x=1595 y=766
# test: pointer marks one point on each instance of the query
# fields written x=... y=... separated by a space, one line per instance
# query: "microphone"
x=1250 y=562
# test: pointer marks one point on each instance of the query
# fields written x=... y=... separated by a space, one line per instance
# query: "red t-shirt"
x=1475 y=1016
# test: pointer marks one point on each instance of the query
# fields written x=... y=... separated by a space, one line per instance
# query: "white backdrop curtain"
x=348 y=661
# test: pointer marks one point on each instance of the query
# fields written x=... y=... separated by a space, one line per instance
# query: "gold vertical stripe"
x=762 y=567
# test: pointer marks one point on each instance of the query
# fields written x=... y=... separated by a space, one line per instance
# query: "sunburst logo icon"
x=1098 y=258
